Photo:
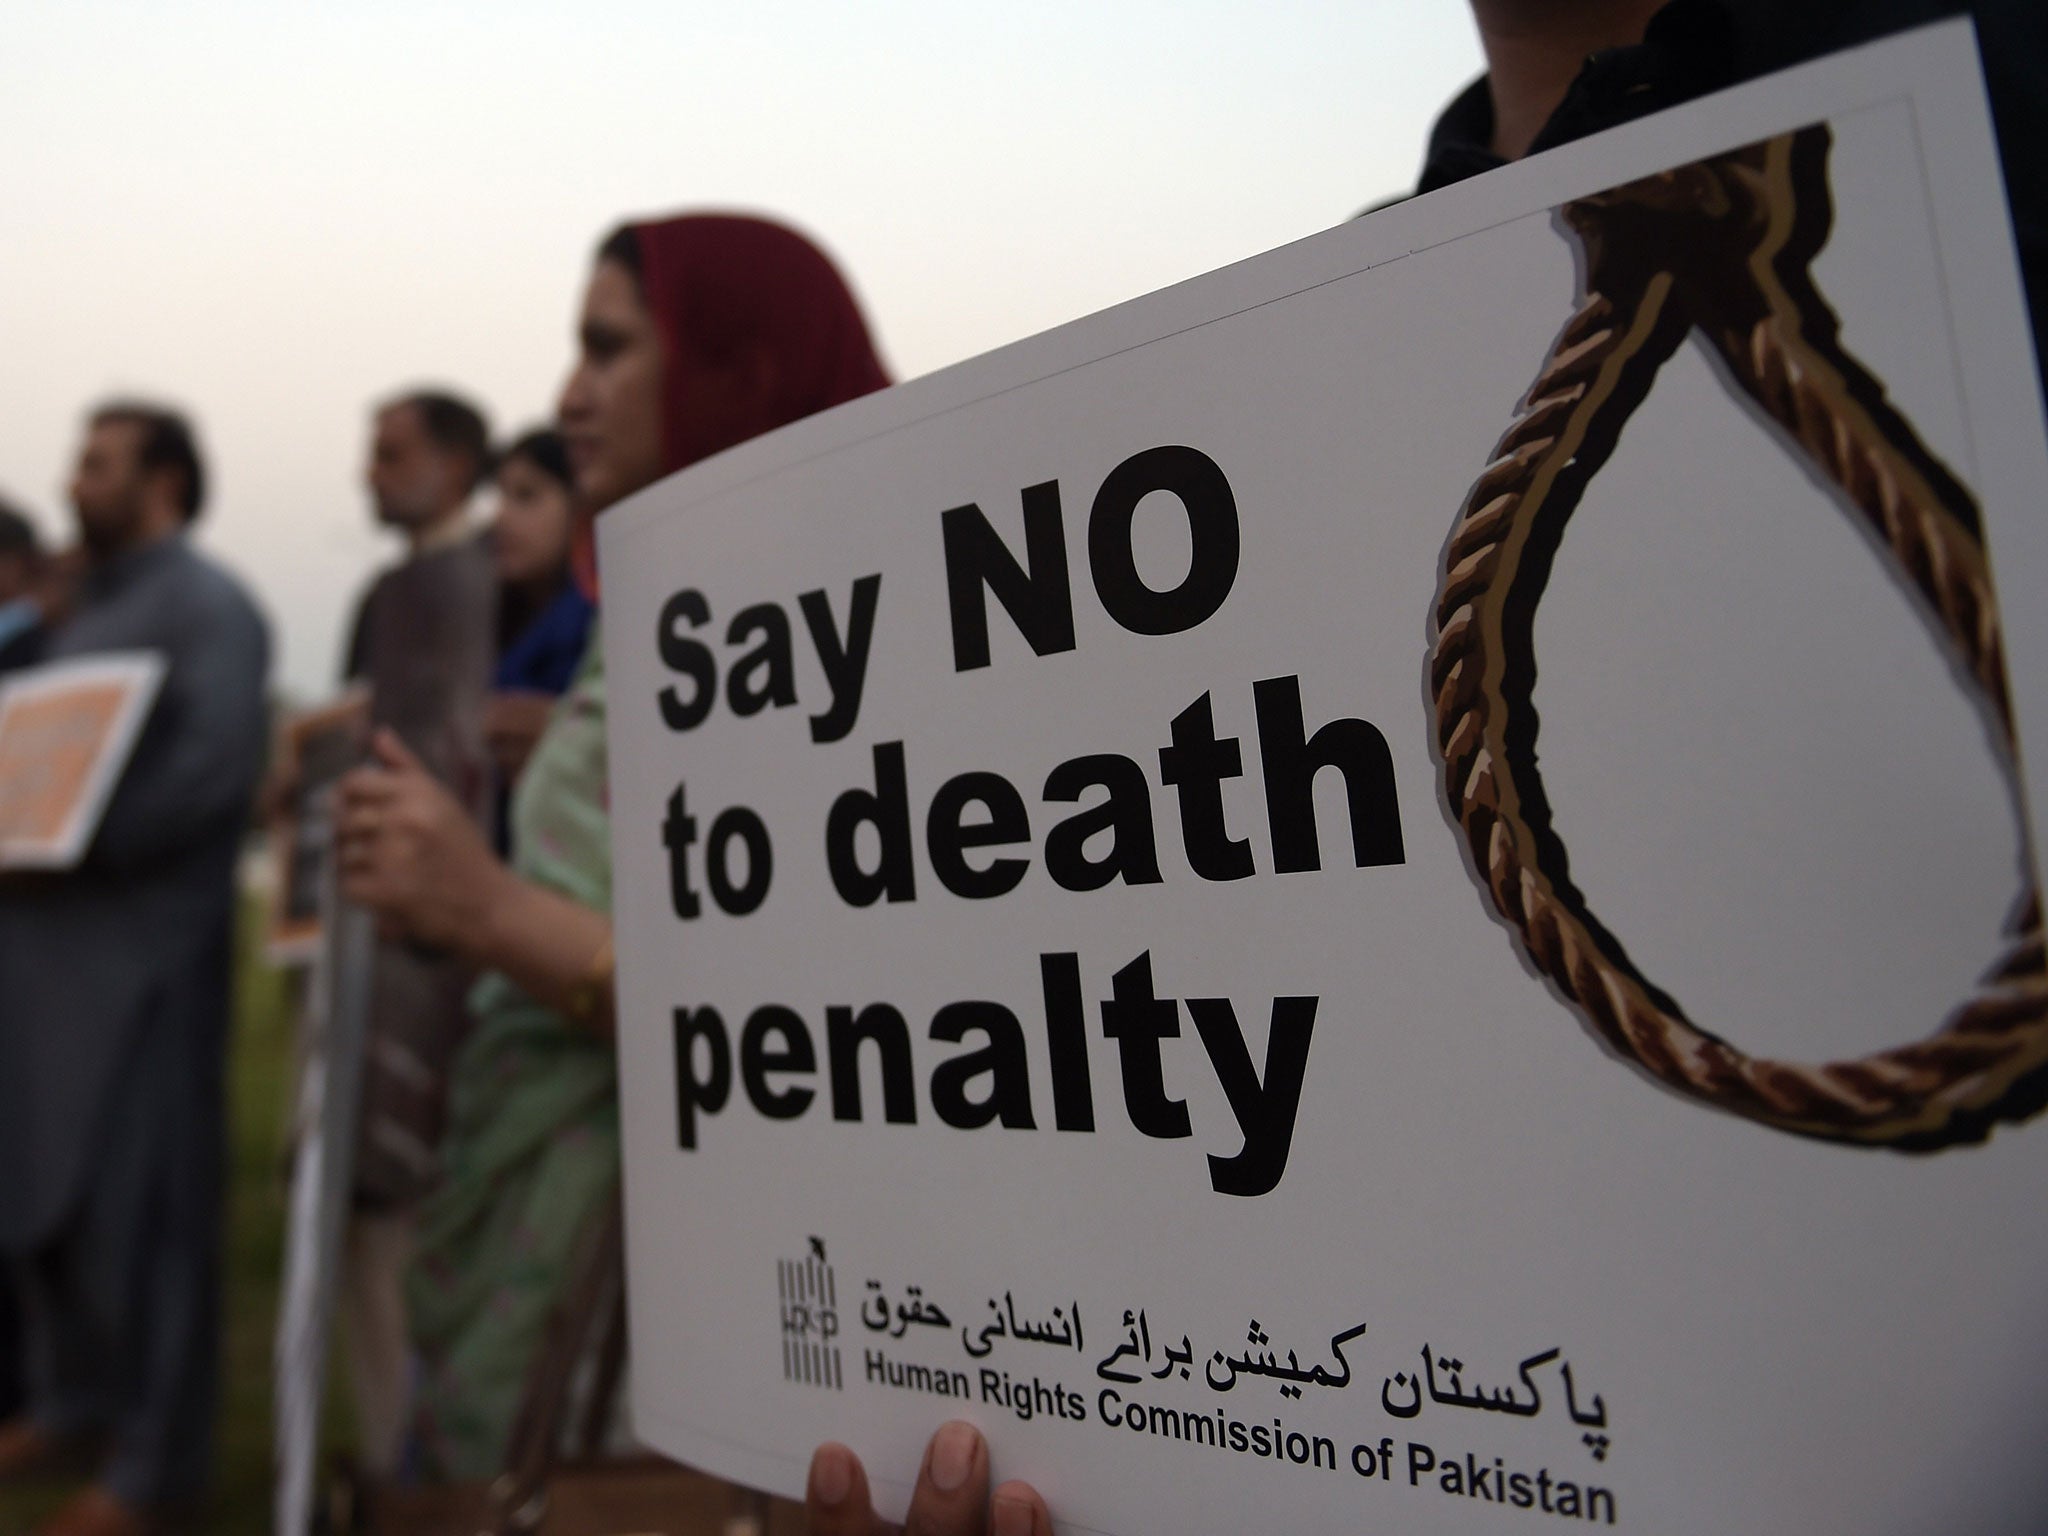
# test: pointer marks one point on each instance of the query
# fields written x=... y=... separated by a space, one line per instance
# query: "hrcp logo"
x=810 y=1319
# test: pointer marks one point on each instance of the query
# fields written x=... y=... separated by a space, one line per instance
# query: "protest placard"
x=1388 y=890
x=66 y=730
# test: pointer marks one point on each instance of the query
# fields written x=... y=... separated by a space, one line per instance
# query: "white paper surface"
x=135 y=676
x=1773 y=784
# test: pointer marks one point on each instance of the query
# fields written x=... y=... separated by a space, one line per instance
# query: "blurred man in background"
x=424 y=642
x=114 y=982
x=21 y=624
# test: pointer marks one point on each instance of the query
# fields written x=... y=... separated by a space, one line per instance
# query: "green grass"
x=259 y=1090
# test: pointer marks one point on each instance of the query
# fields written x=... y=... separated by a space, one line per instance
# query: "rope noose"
x=1723 y=246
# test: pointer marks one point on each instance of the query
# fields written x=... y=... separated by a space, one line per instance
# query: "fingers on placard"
x=1017 y=1510
x=391 y=751
x=952 y=1488
x=836 y=1501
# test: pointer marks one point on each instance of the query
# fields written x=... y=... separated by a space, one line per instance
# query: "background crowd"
x=475 y=831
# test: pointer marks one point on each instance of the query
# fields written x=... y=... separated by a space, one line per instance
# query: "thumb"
x=391 y=752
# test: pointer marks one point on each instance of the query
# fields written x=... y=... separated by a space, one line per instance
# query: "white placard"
x=1317 y=1151
x=66 y=730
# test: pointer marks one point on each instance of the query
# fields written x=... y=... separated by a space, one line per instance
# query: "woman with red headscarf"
x=697 y=333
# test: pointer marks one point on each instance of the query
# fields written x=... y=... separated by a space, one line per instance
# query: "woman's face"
x=610 y=408
x=532 y=529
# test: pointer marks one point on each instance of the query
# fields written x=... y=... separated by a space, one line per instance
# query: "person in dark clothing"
x=1558 y=70
x=114 y=990
x=422 y=644
x=22 y=628
x=22 y=620
x=12 y=1392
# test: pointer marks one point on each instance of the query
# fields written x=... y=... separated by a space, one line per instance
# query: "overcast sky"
x=273 y=215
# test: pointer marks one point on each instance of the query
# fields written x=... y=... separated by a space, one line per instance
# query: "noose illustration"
x=1723 y=247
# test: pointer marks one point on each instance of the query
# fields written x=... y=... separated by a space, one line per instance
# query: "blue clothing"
x=544 y=656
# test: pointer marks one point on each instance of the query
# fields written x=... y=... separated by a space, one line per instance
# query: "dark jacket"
x=1693 y=47
x=138 y=938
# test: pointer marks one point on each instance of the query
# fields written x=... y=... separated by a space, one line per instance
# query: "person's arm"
x=411 y=854
x=952 y=1497
x=196 y=764
x=559 y=952
x=514 y=722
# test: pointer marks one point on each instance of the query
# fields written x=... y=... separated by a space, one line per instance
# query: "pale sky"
x=273 y=215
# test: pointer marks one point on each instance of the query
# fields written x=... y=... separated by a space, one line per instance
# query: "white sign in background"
x=1770 y=781
x=135 y=678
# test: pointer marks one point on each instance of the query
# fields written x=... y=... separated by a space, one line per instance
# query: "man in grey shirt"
x=114 y=994
x=423 y=641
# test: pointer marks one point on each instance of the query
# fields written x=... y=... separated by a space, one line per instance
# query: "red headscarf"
x=719 y=285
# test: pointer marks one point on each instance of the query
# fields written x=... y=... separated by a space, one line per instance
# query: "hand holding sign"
x=952 y=1497
x=411 y=852
x=1125 y=952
